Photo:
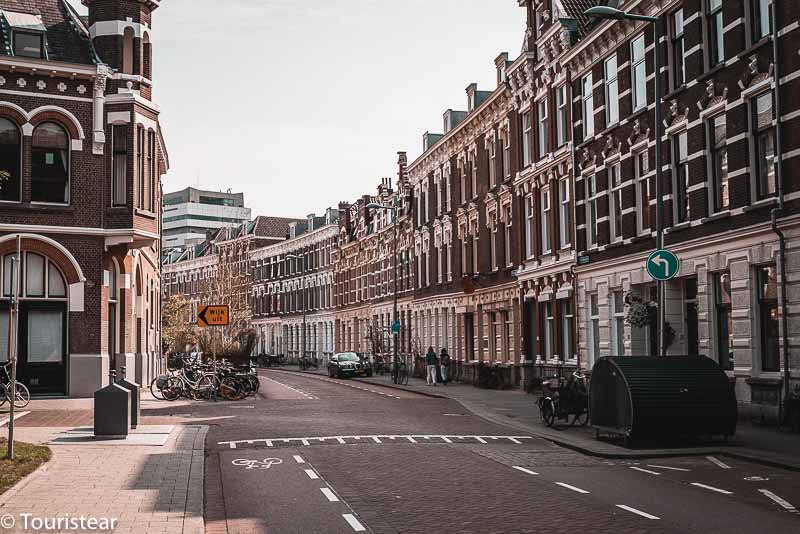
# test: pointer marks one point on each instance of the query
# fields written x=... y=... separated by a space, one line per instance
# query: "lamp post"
x=395 y=319
x=604 y=12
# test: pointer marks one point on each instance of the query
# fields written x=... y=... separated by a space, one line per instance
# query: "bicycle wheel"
x=155 y=391
x=205 y=388
x=172 y=390
x=231 y=388
x=548 y=412
x=255 y=383
x=22 y=396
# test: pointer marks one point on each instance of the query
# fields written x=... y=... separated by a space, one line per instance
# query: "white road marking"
x=573 y=488
x=353 y=522
x=644 y=470
x=307 y=395
x=311 y=474
x=667 y=467
x=638 y=512
x=376 y=438
x=299 y=459
x=518 y=468
x=329 y=494
x=717 y=462
x=782 y=502
x=712 y=488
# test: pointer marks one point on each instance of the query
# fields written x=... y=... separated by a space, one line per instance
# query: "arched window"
x=41 y=278
x=50 y=164
x=127 y=51
x=10 y=157
x=147 y=57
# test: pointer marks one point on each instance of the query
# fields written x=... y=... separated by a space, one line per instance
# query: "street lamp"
x=605 y=12
x=303 y=337
x=395 y=318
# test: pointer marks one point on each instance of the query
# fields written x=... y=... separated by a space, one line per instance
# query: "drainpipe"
x=777 y=212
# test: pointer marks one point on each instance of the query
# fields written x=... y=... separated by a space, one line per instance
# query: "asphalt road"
x=316 y=455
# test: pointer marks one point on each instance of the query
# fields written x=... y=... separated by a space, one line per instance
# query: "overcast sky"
x=301 y=104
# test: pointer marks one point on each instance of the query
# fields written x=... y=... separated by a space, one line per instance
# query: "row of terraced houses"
x=524 y=226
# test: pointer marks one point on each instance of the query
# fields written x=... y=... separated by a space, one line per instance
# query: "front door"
x=42 y=347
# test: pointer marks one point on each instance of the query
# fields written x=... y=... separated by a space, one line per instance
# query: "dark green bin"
x=677 y=397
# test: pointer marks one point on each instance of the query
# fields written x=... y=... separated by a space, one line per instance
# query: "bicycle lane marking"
x=340 y=383
x=293 y=388
x=263 y=493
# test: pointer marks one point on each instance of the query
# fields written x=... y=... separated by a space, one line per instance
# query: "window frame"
x=38 y=34
x=564 y=205
x=19 y=161
x=720 y=192
x=587 y=106
x=615 y=200
x=562 y=116
x=542 y=129
x=637 y=62
x=590 y=189
x=530 y=226
x=677 y=48
x=593 y=316
x=760 y=182
x=715 y=33
x=68 y=151
x=618 y=321
x=723 y=313
x=612 y=100
x=546 y=210
x=527 y=138
x=765 y=335
x=757 y=30
x=642 y=177
x=117 y=151
x=680 y=177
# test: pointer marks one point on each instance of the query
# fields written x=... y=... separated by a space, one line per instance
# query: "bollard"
x=136 y=397
x=112 y=411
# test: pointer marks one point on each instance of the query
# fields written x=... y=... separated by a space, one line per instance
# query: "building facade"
x=191 y=213
x=292 y=292
x=81 y=160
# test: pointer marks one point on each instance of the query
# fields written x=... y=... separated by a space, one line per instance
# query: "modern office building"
x=190 y=213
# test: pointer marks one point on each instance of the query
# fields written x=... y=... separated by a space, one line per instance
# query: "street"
x=320 y=455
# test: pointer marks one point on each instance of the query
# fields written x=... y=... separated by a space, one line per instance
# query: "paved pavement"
x=347 y=456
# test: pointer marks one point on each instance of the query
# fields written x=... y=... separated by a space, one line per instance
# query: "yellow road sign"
x=212 y=316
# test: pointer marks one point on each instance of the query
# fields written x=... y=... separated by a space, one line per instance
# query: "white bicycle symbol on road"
x=266 y=463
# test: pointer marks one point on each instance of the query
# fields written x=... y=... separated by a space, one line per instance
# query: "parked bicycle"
x=400 y=371
x=307 y=363
x=564 y=398
x=207 y=381
x=22 y=396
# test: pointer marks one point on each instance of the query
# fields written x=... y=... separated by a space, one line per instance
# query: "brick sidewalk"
x=147 y=489
x=516 y=409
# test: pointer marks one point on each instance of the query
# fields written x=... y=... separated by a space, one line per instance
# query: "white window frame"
x=547 y=206
x=615 y=200
x=612 y=90
x=587 y=96
x=530 y=226
x=590 y=185
x=542 y=133
x=565 y=239
x=527 y=138
x=637 y=62
x=562 y=124
x=642 y=186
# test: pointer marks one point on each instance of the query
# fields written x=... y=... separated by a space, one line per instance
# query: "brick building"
x=292 y=291
x=81 y=159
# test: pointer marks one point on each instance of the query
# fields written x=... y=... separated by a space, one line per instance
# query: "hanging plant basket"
x=641 y=314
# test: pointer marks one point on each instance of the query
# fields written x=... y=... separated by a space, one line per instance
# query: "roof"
x=273 y=226
x=574 y=9
x=67 y=39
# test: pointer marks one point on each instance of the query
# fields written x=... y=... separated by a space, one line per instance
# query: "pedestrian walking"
x=431 y=361
x=444 y=365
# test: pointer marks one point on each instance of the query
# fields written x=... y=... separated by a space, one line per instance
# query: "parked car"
x=368 y=368
x=344 y=364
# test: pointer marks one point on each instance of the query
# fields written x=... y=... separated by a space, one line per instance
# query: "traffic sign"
x=396 y=327
x=212 y=315
x=663 y=264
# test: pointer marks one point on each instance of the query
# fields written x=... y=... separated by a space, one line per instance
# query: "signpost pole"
x=13 y=331
x=659 y=181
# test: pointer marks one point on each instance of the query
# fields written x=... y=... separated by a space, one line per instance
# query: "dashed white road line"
x=518 y=468
x=718 y=463
x=321 y=379
x=353 y=522
x=786 y=505
x=667 y=467
x=299 y=459
x=329 y=494
x=375 y=438
x=306 y=395
x=712 y=488
x=312 y=474
x=644 y=470
x=637 y=512
x=573 y=488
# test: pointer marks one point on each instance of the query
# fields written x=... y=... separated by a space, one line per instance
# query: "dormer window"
x=29 y=44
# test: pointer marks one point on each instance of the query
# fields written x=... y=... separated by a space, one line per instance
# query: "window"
x=507 y=152
x=563 y=213
x=724 y=319
x=541 y=133
x=119 y=170
x=678 y=70
x=127 y=51
x=50 y=164
x=567 y=319
x=447 y=191
x=29 y=44
x=39 y=276
x=716 y=44
x=526 y=139
x=530 y=226
x=462 y=174
x=594 y=330
x=548 y=328
x=767 y=280
x=719 y=162
x=760 y=19
x=691 y=332
x=464 y=269
x=638 y=73
x=618 y=325
x=10 y=158
x=507 y=237
x=641 y=168
x=491 y=149
x=151 y=167
x=612 y=91
x=680 y=169
x=615 y=200
x=140 y=152
x=591 y=210
x=473 y=168
x=493 y=245
x=561 y=116
x=546 y=209
x=764 y=134
x=588 y=107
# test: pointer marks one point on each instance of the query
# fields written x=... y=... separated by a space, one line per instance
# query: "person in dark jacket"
x=431 y=361
x=444 y=365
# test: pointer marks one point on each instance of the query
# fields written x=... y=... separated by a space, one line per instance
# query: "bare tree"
x=177 y=330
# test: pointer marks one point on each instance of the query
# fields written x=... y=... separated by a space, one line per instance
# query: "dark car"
x=345 y=364
x=368 y=369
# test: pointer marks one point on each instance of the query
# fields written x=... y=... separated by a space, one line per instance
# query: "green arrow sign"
x=663 y=264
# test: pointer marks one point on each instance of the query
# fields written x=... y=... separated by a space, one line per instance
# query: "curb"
x=363 y=381
x=193 y=518
x=19 y=486
x=17 y=416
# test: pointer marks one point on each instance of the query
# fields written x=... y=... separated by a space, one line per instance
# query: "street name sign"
x=663 y=265
x=212 y=316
